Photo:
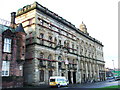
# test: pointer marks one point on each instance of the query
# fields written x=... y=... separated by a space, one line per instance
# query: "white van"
x=58 y=81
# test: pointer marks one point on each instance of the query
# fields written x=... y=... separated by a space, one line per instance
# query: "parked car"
x=109 y=78
x=117 y=78
x=58 y=81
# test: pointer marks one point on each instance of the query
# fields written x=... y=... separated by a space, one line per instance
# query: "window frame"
x=7 y=45
x=5 y=67
x=41 y=38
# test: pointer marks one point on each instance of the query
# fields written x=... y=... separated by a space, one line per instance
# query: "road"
x=95 y=85
x=86 y=86
x=91 y=85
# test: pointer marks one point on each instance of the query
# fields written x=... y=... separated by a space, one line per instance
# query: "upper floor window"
x=68 y=44
x=7 y=45
x=41 y=55
x=42 y=62
x=72 y=47
x=41 y=22
x=50 y=26
x=59 y=65
x=30 y=21
x=59 y=58
x=41 y=37
x=50 y=39
x=5 y=68
x=50 y=58
x=77 y=49
x=65 y=44
x=55 y=41
x=59 y=43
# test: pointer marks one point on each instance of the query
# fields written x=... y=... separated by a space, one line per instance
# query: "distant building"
x=12 y=54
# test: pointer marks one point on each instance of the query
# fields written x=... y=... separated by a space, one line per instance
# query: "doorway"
x=74 y=77
x=69 y=77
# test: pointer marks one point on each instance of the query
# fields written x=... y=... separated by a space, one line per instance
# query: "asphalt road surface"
x=86 y=86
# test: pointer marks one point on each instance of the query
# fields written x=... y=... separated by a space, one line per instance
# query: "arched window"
x=41 y=55
x=50 y=57
x=59 y=58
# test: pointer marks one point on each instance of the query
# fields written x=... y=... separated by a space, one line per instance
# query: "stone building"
x=12 y=54
x=55 y=47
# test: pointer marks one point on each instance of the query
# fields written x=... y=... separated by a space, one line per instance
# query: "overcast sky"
x=100 y=17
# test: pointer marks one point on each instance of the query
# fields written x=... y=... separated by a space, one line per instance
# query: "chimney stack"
x=13 y=15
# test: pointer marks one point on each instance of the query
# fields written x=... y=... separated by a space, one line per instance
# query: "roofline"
x=38 y=6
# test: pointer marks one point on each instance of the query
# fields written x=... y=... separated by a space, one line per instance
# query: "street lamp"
x=113 y=68
x=113 y=64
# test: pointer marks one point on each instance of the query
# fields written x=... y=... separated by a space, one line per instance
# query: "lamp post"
x=113 y=68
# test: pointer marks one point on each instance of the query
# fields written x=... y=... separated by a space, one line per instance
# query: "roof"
x=20 y=28
x=4 y=28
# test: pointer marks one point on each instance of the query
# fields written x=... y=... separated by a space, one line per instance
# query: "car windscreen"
x=52 y=80
x=60 y=80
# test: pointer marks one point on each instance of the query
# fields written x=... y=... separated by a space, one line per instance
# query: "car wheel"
x=58 y=85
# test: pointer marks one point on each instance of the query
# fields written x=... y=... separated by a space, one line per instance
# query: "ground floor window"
x=5 y=68
x=50 y=73
x=41 y=75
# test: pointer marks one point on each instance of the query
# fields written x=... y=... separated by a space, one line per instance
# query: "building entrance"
x=69 y=77
x=74 y=77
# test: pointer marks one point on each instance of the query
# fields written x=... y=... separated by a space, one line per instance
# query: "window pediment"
x=8 y=34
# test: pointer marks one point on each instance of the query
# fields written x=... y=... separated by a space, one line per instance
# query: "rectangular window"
x=41 y=38
x=5 y=68
x=41 y=22
x=59 y=43
x=50 y=39
x=7 y=45
x=30 y=21
x=50 y=26
x=41 y=75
